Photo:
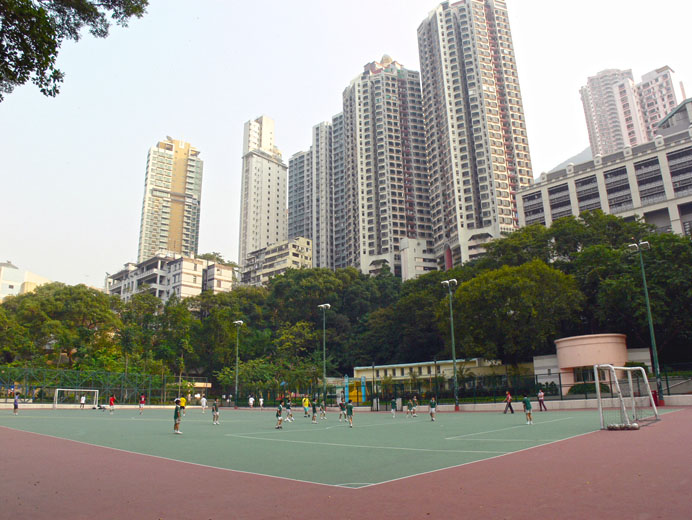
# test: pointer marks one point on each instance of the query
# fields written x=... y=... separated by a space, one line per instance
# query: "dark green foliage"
x=32 y=31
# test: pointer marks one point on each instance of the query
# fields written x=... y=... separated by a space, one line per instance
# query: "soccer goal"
x=631 y=403
x=72 y=396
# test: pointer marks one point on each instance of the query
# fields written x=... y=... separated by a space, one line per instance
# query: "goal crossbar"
x=78 y=392
x=630 y=406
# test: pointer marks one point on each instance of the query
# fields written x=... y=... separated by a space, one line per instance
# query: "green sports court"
x=377 y=449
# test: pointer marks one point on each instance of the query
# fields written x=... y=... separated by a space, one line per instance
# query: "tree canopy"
x=32 y=31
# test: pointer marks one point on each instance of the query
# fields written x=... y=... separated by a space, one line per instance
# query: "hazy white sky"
x=72 y=169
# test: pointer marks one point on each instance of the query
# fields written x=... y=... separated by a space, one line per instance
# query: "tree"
x=32 y=31
x=511 y=313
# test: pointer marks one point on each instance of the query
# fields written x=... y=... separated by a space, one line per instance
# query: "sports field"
x=471 y=465
x=377 y=449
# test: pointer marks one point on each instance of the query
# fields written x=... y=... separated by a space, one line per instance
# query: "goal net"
x=73 y=396
x=631 y=403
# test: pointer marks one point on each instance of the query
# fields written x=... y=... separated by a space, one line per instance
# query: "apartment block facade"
x=652 y=181
x=172 y=200
x=477 y=149
x=168 y=274
x=385 y=183
x=620 y=112
x=265 y=263
x=263 y=213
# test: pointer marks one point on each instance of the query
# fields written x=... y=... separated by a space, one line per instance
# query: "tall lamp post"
x=449 y=284
x=324 y=307
x=638 y=247
x=238 y=324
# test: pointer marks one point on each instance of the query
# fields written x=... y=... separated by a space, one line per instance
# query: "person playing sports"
x=279 y=416
x=289 y=413
x=16 y=404
x=349 y=413
x=203 y=402
x=176 y=417
x=409 y=409
x=527 y=409
x=215 y=412
x=251 y=401
x=111 y=403
x=306 y=406
x=82 y=401
x=393 y=408
x=508 y=400
x=433 y=408
x=183 y=402
x=342 y=409
x=142 y=400
x=323 y=410
x=261 y=403
x=415 y=405
x=314 y=411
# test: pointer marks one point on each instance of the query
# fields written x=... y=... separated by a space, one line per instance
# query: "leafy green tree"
x=32 y=31
x=511 y=313
x=15 y=346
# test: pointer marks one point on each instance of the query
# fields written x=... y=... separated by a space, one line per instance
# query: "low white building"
x=14 y=281
x=263 y=264
x=168 y=274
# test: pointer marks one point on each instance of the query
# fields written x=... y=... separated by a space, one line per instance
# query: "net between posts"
x=75 y=396
x=631 y=404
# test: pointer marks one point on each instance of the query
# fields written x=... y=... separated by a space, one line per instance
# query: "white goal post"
x=631 y=401
x=72 y=396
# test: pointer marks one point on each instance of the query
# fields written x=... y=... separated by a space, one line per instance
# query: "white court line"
x=361 y=445
x=504 y=429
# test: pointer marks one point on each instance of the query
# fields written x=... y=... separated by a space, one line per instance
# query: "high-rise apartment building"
x=620 y=113
x=263 y=214
x=385 y=181
x=172 y=198
x=477 y=148
x=310 y=197
x=339 y=202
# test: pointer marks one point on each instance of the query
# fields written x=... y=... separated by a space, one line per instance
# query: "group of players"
x=307 y=408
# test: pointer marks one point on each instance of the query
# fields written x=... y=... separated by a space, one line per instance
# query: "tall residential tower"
x=172 y=197
x=385 y=184
x=477 y=148
x=263 y=214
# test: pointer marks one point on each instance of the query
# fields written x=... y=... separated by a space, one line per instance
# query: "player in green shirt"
x=409 y=409
x=349 y=413
x=215 y=412
x=279 y=416
x=433 y=408
x=415 y=406
x=393 y=408
x=527 y=409
x=289 y=413
x=176 y=417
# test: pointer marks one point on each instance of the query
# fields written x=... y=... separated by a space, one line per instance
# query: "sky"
x=72 y=169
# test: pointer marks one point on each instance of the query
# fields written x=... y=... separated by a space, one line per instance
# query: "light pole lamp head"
x=452 y=282
x=633 y=247
x=238 y=323
x=325 y=306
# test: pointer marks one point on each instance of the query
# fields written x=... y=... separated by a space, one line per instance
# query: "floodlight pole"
x=324 y=308
x=237 y=324
x=449 y=284
x=654 y=351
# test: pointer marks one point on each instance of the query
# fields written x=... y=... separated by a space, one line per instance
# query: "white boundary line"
x=359 y=445
x=504 y=429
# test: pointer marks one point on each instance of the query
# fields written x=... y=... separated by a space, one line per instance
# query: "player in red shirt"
x=111 y=402
x=142 y=400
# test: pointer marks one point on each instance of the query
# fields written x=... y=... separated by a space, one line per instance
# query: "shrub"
x=587 y=388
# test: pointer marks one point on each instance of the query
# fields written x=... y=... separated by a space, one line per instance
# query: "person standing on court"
x=349 y=413
x=393 y=406
x=508 y=400
x=82 y=400
x=142 y=400
x=16 y=404
x=183 y=402
x=176 y=417
x=433 y=408
x=215 y=412
x=111 y=403
x=527 y=410
x=203 y=402
x=541 y=404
